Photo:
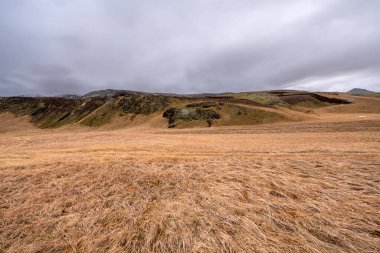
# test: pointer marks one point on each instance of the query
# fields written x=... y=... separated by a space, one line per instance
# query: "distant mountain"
x=358 y=91
x=102 y=93
x=112 y=93
x=31 y=95
x=71 y=96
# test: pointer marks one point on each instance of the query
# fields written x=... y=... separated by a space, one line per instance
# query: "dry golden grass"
x=295 y=187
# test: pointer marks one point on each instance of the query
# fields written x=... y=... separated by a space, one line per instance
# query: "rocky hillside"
x=100 y=108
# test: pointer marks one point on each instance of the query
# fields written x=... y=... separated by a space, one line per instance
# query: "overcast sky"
x=52 y=47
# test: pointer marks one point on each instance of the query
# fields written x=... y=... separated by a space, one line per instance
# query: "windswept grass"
x=274 y=188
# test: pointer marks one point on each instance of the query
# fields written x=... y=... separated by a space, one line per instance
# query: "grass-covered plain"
x=290 y=187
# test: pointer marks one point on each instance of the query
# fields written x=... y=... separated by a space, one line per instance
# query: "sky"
x=53 y=47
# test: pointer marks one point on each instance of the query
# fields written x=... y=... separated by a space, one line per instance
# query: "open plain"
x=311 y=186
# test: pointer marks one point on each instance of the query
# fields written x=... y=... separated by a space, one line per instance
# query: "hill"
x=100 y=108
x=358 y=91
x=110 y=93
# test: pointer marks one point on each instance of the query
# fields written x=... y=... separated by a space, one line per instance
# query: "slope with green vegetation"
x=50 y=112
x=263 y=98
x=288 y=98
x=100 y=108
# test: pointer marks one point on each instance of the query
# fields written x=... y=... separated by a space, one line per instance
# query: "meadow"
x=288 y=187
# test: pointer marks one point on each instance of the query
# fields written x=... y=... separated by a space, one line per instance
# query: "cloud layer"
x=53 y=47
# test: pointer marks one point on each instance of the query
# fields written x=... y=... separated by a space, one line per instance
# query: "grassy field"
x=289 y=187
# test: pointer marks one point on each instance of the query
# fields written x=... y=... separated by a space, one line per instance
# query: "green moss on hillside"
x=101 y=116
x=259 y=97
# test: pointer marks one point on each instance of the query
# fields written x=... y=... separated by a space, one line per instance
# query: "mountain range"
x=124 y=108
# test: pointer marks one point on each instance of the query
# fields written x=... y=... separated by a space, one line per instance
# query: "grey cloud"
x=295 y=54
x=50 y=70
x=53 y=47
x=10 y=87
x=61 y=85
